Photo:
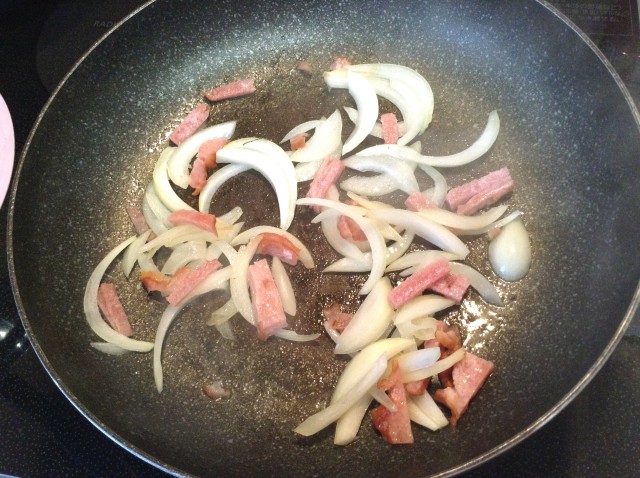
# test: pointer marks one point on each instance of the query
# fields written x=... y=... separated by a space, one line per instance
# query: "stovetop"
x=42 y=434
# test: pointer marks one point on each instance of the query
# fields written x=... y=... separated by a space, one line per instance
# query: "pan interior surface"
x=568 y=135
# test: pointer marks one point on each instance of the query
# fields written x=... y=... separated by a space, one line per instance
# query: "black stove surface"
x=42 y=434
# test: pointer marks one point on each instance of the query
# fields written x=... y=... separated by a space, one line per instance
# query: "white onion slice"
x=146 y=264
x=341 y=245
x=177 y=235
x=420 y=258
x=283 y=284
x=433 y=232
x=109 y=349
x=182 y=255
x=424 y=411
x=421 y=306
x=439 y=193
x=225 y=330
x=325 y=141
x=155 y=224
x=369 y=322
x=131 y=253
x=166 y=319
x=307 y=171
x=367 y=203
x=239 y=282
x=216 y=281
x=368 y=228
x=215 y=181
x=232 y=216
x=301 y=129
x=292 y=336
x=155 y=212
x=435 y=369
x=178 y=165
x=418 y=359
x=348 y=424
x=495 y=225
x=161 y=183
x=479 y=282
x=223 y=313
x=367 y=104
x=304 y=254
x=383 y=399
x=92 y=312
x=400 y=171
x=372 y=186
x=460 y=222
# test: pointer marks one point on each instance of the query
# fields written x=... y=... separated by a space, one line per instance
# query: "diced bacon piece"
x=469 y=374
x=215 y=390
x=305 y=67
x=137 y=219
x=449 y=340
x=190 y=123
x=206 y=222
x=417 y=201
x=350 y=230
x=112 y=309
x=278 y=246
x=232 y=90
x=452 y=286
x=340 y=62
x=417 y=387
x=198 y=176
x=395 y=427
x=208 y=150
x=154 y=281
x=298 y=141
x=390 y=133
x=181 y=289
x=337 y=320
x=265 y=300
x=328 y=173
x=418 y=282
x=481 y=192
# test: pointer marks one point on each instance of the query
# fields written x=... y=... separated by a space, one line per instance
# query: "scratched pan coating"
x=569 y=136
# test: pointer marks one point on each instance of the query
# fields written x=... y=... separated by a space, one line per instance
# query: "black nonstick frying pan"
x=569 y=136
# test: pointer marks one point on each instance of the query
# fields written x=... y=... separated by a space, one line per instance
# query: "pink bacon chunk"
x=265 y=300
x=341 y=62
x=206 y=222
x=452 y=286
x=350 y=230
x=390 y=132
x=279 y=246
x=137 y=219
x=469 y=374
x=335 y=318
x=112 y=308
x=198 y=176
x=180 y=290
x=190 y=123
x=474 y=195
x=395 y=427
x=329 y=172
x=417 y=201
x=418 y=282
x=298 y=141
x=232 y=90
x=209 y=149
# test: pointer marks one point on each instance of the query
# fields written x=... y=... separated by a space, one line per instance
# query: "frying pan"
x=569 y=136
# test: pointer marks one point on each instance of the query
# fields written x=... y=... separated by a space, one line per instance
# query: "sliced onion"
x=92 y=312
x=293 y=336
x=494 y=225
x=177 y=235
x=155 y=212
x=419 y=258
x=400 y=171
x=479 y=282
x=326 y=140
x=161 y=183
x=372 y=186
x=307 y=171
x=215 y=181
x=131 y=254
x=418 y=359
x=460 y=222
x=349 y=423
x=155 y=223
x=182 y=255
x=224 y=329
x=239 y=282
x=232 y=216
x=283 y=284
x=304 y=255
x=166 y=319
x=341 y=245
x=216 y=281
x=109 y=349
x=367 y=104
x=439 y=193
x=435 y=369
x=424 y=411
x=301 y=129
x=421 y=306
x=178 y=166
x=146 y=264
x=367 y=203
x=383 y=399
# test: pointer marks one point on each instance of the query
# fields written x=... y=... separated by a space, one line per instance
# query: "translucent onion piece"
x=367 y=203
x=479 y=282
x=433 y=232
x=495 y=225
x=223 y=313
x=304 y=255
x=383 y=399
x=239 y=282
x=435 y=369
x=341 y=245
x=283 y=284
x=292 y=336
x=178 y=166
x=460 y=222
x=400 y=171
x=418 y=359
x=348 y=424
x=439 y=193
x=161 y=183
x=419 y=329
x=424 y=411
x=182 y=255
x=92 y=312
x=301 y=129
x=276 y=168
x=178 y=235
x=146 y=264
x=109 y=349
x=131 y=253
x=367 y=104
x=333 y=412
x=373 y=186
x=218 y=280
x=418 y=258
x=155 y=223
x=215 y=181
x=374 y=237
x=225 y=330
x=326 y=140
x=307 y=171
x=232 y=216
x=227 y=233
x=421 y=306
x=414 y=120
x=166 y=319
x=155 y=212
x=369 y=322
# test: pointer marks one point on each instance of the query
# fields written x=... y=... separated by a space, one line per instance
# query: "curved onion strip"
x=178 y=165
x=417 y=330
x=225 y=330
x=366 y=100
x=307 y=171
x=283 y=284
x=417 y=258
x=325 y=141
x=421 y=306
x=109 y=349
x=301 y=128
x=495 y=225
x=417 y=118
x=155 y=223
x=424 y=411
x=92 y=312
x=277 y=169
x=161 y=183
x=473 y=152
x=182 y=255
x=376 y=132
x=216 y=281
x=479 y=282
x=374 y=237
x=131 y=254
x=439 y=193
x=166 y=319
x=460 y=222
x=435 y=369
x=400 y=171
x=369 y=322
x=331 y=332
x=433 y=232
x=227 y=232
x=383 y=399
x=367 y=203
x=232 y=216
x=348 y=424
x=372 y=186
x=418 y=359
x=223 y=313
x=177 y=235
x=341 y=245
x=239 y=282
x=157 y=208
x=333 y=412
x=146 y=264
x=215 y=181
x=292 y=336
x=304 y=255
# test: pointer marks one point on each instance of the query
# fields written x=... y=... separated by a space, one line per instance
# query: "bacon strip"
x=137 y=219
x=474 y=195
x=181 y=289
x=417 y=201
x=298 y=141
x=112 y=309
x=232 y=90
x=350 y=230
x=395 y=427
x=449 y=340
x=335 y=318
x=265 y=300
x=469 y=374
x=206 y=222
x=452 y=286
x=418 y=282
x=278 y=246
x=190 y=123
x=328 y=173
x=208 y=151
x=390 y=132
x=198 y=176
